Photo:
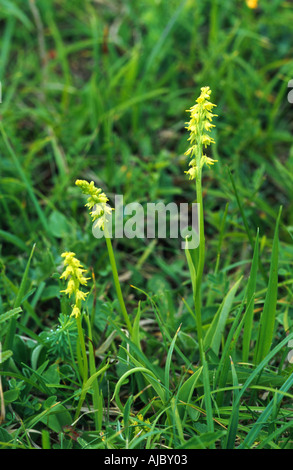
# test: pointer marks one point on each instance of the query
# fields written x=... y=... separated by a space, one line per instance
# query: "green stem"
x=84 y=371
x=201 y=258
x=201 y=231
x=116 y=281
x=98 y=410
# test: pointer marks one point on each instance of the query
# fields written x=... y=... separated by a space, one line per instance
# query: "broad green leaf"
x=59 y=225
x=11 y=395
x=56 y=417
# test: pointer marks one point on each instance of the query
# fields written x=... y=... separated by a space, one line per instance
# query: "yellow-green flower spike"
x=200 y=123
x=74 y=273
x=97 y=200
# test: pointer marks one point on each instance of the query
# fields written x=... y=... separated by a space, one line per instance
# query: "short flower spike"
x=200 y=123
x=97 y=200
x=74 y=271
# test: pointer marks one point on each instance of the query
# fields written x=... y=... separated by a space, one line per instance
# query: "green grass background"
x=98 y=90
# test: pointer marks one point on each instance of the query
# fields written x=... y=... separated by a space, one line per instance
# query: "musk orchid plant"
x=74 y=275
x=97 y=203
x=199 y=126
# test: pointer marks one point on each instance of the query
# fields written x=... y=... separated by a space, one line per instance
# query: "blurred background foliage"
x=99 y=90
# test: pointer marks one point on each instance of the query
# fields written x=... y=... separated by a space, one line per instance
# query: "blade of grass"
x=268 y=316
x=207 y=396
x=10 y=314
x=14 y=239
x=162 y=325
x=221 y=237
x=230 y=343
x=263 y=419
x=255 y=373
x=234 y=417
x=247 y=229
x=147 y=374
x=5 y=44
x=214 y=334
x=250 y=305
x=20 y=294
x=274 y=435
x=22 y=175
x=168 y=364
x=135 y=331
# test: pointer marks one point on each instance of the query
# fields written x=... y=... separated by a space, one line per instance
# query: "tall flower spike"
x=97 y=201
x=200 y=123
x=74 y=273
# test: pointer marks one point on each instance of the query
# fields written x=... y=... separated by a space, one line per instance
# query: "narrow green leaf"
x=22 y=174
x=247 y=330
x=20 y=294
x=191 y=270
x=186 y=390
x=168 y=364
x=269 y=441
x=230 y=343
x=10 y=314
x=255 y=373
x=234 y=417
x=207 y=395
x=177 y=424
x=265 y=415
x=14 y=239
x=147 y=374
x=135 y=332
x=268 y=316
x=204 y=441
x=126 y=414
x=245 y=222
x=214 y=334
x=4 y=355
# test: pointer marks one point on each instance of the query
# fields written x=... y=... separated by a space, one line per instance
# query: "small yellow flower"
x=71 y=287
x=75 y=312
x=252 y=4
x=139 y=428
x=198 y=126
x=207 y=160
x=79 y=295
